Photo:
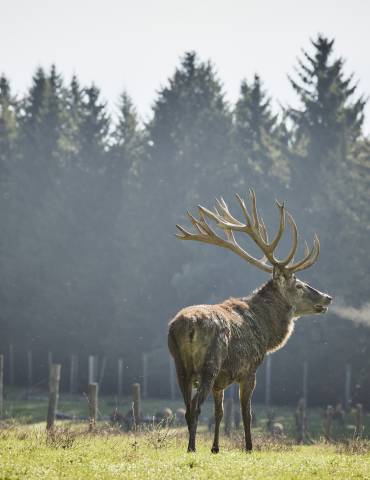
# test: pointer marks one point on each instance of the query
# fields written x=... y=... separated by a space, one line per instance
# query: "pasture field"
x=159 y=452
x=34 y=410
x=73 y=453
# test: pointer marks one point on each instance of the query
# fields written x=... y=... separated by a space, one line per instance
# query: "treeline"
x=89 y=203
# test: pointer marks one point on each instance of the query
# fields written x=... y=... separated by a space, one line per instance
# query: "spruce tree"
x=190 y=131
x=8 y=208
x=42 y=122
x=8 y=128
x=330 y=115
x=74 y=99
x=327 y=188
x=127 y=151
x=258 y=138
x=188 y=150
x=93 y=130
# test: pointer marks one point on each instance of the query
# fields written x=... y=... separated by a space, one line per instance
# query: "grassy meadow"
x=73 y=453
x=159 y=451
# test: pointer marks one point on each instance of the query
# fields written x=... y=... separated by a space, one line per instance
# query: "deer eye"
x=299 y=286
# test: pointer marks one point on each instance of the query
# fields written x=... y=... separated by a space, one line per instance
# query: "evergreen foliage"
x=89 y=262
x=329 y=119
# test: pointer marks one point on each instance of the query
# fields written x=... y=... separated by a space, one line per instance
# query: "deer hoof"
x=215 y=449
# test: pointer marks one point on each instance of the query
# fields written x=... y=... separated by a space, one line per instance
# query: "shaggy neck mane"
x=271 y=308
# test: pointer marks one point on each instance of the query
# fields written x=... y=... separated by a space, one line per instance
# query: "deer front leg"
x=218 y=396
x=246 y=390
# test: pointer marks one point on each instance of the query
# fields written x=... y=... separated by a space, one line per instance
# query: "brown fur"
x=216 y=345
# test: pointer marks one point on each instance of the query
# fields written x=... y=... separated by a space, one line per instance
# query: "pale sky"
x=135 y=45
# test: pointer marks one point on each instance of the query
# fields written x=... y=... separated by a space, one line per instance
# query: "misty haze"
x=92 y=190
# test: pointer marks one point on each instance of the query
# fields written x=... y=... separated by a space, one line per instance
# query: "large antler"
x=253 y=226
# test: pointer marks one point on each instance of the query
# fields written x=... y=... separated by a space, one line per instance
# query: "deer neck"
x=274 y=313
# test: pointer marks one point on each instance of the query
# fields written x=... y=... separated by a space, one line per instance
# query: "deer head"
x=303 y=299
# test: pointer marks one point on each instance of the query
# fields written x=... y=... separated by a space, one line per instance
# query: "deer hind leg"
x=218 y=396
x=208 y=375
x=185 y=384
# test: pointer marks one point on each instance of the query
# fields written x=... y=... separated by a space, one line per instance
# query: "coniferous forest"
x=90 y=199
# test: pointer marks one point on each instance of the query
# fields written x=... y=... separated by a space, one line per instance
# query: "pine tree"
x=42 y=123
x=190 y=130
x=94 y=127
x=8 y=210
x=71 y=134
x=8 y=128
x=330 y=117
x=258 y=136
x=128 y=149
x=327 y=187
x=188 y=158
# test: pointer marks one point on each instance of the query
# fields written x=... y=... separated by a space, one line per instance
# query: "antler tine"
x=226 y=212
x=207 y=235
x=230 y=235
x=264 y=231
x=293 y=248
x=254 y=208
x=255 y=228
x=281 y=229
x=203 y=223
x=220 y=220
x=195 y=223
x=184 y=232
x=204 y=211
x=315 y=256
x=309 y=259
x=244 y=209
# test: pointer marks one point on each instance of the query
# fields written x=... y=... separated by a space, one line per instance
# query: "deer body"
x=214 y=346
x=242 y=329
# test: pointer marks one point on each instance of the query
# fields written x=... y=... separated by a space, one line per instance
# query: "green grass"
x=34 y=410
x=160 y=453
x=72 y=453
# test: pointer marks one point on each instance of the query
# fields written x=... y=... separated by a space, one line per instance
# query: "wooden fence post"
x=50 y=359
x=102 y=371
x=92 y=364
x=145 y=375
x=268 y=382
x=347 y=388
x=54 y=379
x=328 y=422
x=359 y=420
x=305 y=382
x=1 y=385
x=11 y=365
x=29 y=373
x=119 y=379
x=301 y=421
x=172 y=379
x=93 y=404
x=270 y=421
x=136 y=403
x=73 y=373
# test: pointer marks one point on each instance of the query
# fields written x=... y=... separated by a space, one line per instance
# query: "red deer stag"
x=216 y=345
